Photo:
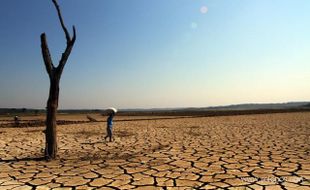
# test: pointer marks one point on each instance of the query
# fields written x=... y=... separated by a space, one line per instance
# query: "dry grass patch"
x=160 y=147
x=35 y=130
x=85 y=133
x=124 y=133
x=193 y=127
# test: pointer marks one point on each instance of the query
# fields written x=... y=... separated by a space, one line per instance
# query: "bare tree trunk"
x=51 y=132
x=54 y=75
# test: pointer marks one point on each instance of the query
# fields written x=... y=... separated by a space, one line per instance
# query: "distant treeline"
x=20 y=111
x=25 y=111
x=210 y=113
x=239 y=109
x=202 y=113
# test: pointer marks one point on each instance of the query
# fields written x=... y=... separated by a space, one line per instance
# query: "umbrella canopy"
x=112 y=109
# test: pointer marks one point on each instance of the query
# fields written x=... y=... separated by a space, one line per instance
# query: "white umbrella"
x=112 y=109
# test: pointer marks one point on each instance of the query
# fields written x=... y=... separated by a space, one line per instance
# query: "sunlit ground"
x=268 y=151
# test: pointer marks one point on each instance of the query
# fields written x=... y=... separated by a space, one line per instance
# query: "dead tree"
x=54 y=74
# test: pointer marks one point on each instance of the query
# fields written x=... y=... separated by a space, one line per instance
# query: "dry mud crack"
x=269 y=152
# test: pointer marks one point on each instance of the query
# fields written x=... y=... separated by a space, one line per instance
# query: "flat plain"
x=263 y=151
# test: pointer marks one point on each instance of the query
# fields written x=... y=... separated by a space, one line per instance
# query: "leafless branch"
x=70 y=42
x=46 y=55
x=62 y=22
x=64 y=58
x=74 y=35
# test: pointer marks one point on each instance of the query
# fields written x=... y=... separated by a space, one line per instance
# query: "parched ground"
x=269 y=151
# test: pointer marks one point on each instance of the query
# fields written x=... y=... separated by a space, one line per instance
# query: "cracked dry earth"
x=268 y=151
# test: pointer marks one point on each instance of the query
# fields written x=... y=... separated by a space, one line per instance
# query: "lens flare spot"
x=194 y=25
x=204 y=9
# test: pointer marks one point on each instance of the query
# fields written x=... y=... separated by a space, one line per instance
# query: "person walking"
x=16 y=121
x=112 y=112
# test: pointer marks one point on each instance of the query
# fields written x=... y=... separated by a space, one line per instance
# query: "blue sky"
x=158 y=53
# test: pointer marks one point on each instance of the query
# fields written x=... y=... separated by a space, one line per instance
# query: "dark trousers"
x=109 y=133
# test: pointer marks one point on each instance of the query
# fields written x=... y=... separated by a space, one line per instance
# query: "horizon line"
x=149 y=108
